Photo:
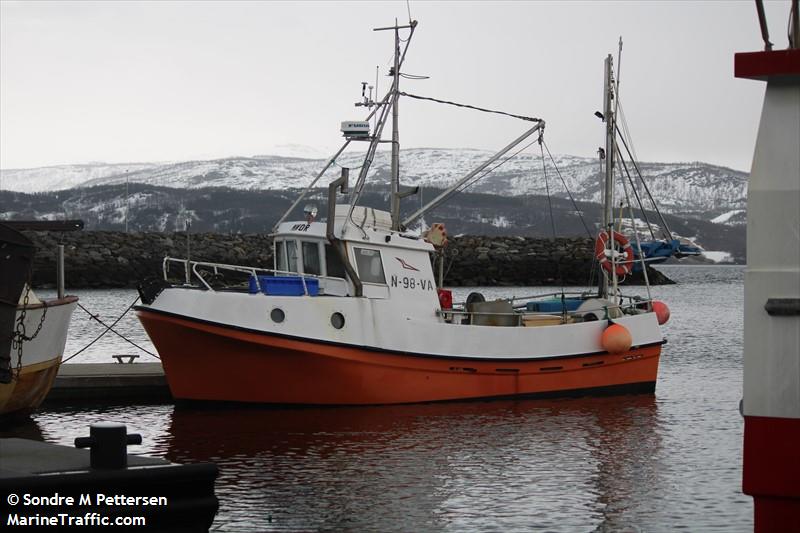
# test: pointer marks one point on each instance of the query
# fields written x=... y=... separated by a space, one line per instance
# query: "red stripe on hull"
x=209 y=362
x=771 y=471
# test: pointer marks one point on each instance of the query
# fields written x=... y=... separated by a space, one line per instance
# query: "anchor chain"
x=20 y=332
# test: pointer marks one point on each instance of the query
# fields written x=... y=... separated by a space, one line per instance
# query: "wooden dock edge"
x=109 y=382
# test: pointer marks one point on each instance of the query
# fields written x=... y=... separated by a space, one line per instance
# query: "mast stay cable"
x=391 y=95
x=552 y=225
x=466 y=185
x=547 y=190
x=635 y=233
x=569 y=193
x=521 y=117
x=666 y=230
x=635 y=195
x=463 y=187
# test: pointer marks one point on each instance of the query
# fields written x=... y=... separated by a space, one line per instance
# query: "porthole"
x=277 y=315
x=337 y=320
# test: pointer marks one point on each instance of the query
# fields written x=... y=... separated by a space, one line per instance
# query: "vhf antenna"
x=366 y=101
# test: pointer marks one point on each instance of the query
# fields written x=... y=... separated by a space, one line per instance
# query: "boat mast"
x=395 y=186
x=394 y=98
x=608 y=178
x=379 y=113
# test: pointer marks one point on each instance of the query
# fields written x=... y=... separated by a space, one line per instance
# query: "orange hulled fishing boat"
x=352 y=313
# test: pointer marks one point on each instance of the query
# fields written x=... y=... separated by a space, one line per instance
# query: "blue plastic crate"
x=285 y=285
x=553 y=305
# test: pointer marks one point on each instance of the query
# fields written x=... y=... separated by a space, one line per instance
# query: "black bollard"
x=108 y=442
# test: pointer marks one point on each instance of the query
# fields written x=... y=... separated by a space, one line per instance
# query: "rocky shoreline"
x=110 y=259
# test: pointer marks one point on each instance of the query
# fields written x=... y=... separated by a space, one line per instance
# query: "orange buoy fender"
x=616 y=339
x=625 y=264
x=662 y=312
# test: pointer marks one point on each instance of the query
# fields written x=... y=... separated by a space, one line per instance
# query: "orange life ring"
x=624 y=265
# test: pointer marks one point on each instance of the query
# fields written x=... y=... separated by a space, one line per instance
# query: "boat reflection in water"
x=575 y=463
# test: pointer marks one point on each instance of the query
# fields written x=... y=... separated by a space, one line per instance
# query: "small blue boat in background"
x=658 y=251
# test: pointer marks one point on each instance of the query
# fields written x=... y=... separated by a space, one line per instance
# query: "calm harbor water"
x=658 y=462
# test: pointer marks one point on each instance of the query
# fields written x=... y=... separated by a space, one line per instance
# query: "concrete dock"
x=91 y=382
x=74 y=487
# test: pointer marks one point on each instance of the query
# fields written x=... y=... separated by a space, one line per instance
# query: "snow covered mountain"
x=61 y=177
x=695 y=189
x=224 y=210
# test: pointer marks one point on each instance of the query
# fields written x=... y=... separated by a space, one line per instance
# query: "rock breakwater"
x=109 y=259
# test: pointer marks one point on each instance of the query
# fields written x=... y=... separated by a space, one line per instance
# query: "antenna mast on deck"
x=396 y=195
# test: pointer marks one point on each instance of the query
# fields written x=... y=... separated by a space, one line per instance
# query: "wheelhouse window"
x=335 y=267
x=311 y=259
x=370 y=266
x=291 y=256
x=280 y=255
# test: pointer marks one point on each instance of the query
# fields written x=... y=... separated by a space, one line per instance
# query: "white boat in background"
x=35 y=330
x=352 y=313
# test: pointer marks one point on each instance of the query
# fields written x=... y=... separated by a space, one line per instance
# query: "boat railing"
x=465 y=312
x=627 y=301
x=461 y=314
x=191 y=271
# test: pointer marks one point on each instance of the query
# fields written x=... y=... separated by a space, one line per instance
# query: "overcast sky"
x=162 y=81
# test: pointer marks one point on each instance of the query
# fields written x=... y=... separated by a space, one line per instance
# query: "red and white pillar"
x=771 y=406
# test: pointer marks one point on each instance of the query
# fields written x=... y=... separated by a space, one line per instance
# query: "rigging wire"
x=547 y=190
x=626 y=130
x=362 y=177
x=470 y=183
x=358 y=189
x=466 y=185
x=665 y=229
x=453 y=254
x=635 y=195
x=574 y=204
x=521 y=117
x=627 y=141
x=596 y=271
x=627 y=135
x=336 y=163
x=552 y=224
x=377 y=78
x=635 y=231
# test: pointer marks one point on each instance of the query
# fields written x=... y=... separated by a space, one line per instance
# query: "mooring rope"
x=109 y=328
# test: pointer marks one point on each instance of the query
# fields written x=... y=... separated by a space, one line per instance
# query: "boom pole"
x=452 y=189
